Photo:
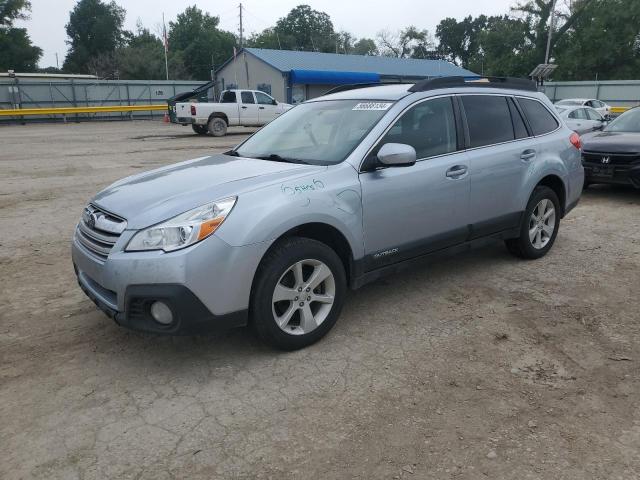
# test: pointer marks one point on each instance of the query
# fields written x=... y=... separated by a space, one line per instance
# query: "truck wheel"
x=217 y=127
x=199 y=129
x=297 y=294
x=539 y=226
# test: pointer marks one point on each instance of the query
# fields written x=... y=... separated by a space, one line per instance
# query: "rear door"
x=248 y=108
x=267 y=108
x=500 y=153
x=412 y=210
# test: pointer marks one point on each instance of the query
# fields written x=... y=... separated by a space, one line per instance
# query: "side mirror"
x=274 y=102
x=397 y=155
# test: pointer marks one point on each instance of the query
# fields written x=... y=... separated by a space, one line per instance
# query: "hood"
x=152 y=197
x=612 y=142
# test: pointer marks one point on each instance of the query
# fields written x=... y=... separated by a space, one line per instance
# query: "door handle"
x=244 y=108
x=456 y=171
x=528 y=154
x=261 y=108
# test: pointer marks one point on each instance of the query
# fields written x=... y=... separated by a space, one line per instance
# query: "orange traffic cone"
x=166 y=118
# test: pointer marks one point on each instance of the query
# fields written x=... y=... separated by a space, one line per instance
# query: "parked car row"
x=246 y=108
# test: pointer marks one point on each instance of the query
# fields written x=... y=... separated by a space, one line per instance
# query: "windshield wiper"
x=277 y=158
x=232 y=153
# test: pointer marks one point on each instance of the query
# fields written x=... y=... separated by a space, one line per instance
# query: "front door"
x=410 y=211
x=248 y=109
x=267 y=108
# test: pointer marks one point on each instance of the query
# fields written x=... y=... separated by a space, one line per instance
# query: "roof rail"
x=513 y=83
x=354 y=86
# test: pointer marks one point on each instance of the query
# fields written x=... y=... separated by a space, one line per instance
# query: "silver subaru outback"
x=333 y=194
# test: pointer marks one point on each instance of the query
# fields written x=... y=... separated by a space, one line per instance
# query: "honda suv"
x=333 y=194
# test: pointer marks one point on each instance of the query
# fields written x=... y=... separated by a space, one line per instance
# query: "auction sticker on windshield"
x=372 y=106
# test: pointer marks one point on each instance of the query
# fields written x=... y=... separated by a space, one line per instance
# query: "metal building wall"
x=35 y=93
x=618 y=93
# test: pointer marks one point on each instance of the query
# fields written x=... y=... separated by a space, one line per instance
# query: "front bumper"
x=207 y=286
x=190 y=316
x=613 y=174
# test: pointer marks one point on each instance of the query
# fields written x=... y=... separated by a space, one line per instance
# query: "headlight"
x=183 y=230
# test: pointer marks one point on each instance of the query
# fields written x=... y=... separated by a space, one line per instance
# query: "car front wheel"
x=298 y=293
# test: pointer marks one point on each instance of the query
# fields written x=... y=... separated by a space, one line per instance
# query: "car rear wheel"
x=217 y=127
x=199 y=129
x=297 y=294
x=539 y=226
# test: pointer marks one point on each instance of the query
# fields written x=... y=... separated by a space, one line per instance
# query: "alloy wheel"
x=303 y=296
x=542 y=224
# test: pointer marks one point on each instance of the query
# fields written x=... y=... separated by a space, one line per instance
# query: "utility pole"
x=551 y=24
x=57 y=64
x=241 y=40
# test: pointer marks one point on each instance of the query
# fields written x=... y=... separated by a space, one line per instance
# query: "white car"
x=246 y=108
x=581 y=119
x=598 y=105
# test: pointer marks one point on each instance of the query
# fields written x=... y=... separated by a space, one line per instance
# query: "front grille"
x=99 y=230
x=603 y=158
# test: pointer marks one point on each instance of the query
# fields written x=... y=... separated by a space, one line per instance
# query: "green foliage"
x=604 y=43
x=11 y=10
x=94 y=29
x=200 y=42
x=407 y=43
x=16 y=51
x=365 y=46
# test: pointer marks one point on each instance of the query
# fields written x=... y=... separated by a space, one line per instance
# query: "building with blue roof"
x=294 y=76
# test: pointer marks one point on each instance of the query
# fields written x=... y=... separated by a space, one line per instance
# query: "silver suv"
x=333 y=194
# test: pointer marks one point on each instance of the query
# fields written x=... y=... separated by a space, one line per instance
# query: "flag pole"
x=166 y=45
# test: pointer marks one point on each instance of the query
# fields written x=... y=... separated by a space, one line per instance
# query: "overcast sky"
x=361 y=18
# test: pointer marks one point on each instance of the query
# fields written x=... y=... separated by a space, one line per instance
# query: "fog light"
x=161 y=313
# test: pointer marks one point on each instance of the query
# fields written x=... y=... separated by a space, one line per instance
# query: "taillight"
x=575 y=140
x=193 y=109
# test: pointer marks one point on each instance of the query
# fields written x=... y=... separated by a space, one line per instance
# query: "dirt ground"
x=479 y=366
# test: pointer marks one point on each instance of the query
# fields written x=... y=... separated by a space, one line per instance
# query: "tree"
x=365 y=46
x=301 y=29
x=459 y=41
x=94 y=29
x=407 y=43
x=11 y=10
x=537 y=15
x=16 y=50
x=603 y=43
x=202 y=44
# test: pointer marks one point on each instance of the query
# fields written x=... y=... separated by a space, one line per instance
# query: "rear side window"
x=228 y=97
x=247 y=97
x=488 y=119
x=539 y=117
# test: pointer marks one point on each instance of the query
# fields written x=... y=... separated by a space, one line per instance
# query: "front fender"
x=332 y=197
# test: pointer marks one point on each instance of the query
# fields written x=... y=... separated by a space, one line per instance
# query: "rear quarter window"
x=540 y=119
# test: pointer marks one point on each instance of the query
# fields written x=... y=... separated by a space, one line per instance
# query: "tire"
x=279 y=277
x=217 y=127
x=200 y=129
x=536 y=237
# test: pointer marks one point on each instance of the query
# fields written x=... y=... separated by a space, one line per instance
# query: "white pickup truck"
x=246 y=108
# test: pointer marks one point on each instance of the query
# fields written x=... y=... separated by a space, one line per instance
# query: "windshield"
x=627 y=122
x=569 y=102
x=319 y=133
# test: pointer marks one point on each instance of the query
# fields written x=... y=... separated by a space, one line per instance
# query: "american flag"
x=165 y=39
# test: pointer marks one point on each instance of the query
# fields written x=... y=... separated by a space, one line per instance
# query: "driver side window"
x=429 y=127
